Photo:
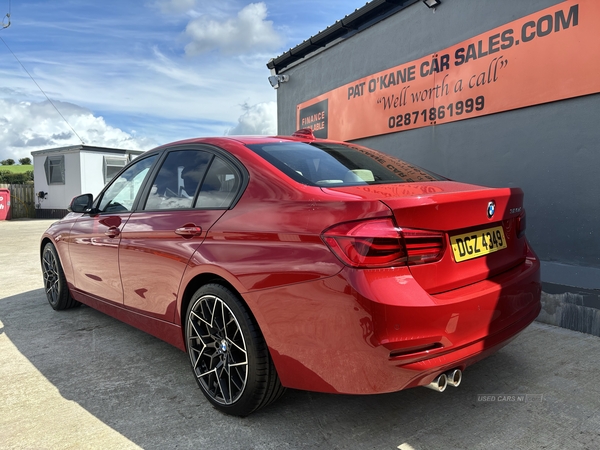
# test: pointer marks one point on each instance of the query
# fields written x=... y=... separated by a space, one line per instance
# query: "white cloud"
x=257 y=119
x=140 y=80
x=27 y=126
x=167 y=98
x=248 y=31
x=175 y=6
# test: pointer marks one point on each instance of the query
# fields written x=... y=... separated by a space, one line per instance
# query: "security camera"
x=276 y=80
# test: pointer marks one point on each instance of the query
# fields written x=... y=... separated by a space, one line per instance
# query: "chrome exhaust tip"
x=454 y=377
x=439 y=383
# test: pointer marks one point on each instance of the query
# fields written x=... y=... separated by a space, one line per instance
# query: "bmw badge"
x=491 y=209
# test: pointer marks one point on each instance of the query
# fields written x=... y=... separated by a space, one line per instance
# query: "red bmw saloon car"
x=296 y=262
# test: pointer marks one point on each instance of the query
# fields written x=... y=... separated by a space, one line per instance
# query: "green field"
x=16 y=168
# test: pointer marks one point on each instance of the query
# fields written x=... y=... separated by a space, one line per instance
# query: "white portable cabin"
x=63 y=173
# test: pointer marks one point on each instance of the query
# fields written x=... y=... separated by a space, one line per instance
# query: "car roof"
x=238 y=139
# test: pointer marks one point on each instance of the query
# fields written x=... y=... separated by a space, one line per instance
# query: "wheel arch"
x=45 y=240
x=65 y=264
x=61 y=297
x=201 y=280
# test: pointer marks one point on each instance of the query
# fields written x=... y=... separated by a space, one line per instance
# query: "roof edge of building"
x=364 y=17
x=85 y=148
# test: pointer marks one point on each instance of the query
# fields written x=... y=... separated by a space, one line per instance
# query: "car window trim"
x=140 y=207
x=142 y=198
x=116 y=177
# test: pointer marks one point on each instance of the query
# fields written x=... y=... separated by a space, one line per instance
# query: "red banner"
x=547 y=56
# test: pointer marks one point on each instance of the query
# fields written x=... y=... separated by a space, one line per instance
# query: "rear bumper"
x=427 y=368
x=375 y=331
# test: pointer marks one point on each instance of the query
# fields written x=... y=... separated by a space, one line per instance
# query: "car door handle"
x=112 y=232
x=189 y=231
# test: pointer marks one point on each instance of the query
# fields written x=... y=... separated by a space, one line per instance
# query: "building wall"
x=550 y=150
x=59 y=195
x=91 y=173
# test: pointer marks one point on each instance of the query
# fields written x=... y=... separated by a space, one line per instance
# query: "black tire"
x=55 y=283
x=229 y=357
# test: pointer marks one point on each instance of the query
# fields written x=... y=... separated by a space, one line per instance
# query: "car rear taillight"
x=521 y=225
x=379 y=243
x=423 y=246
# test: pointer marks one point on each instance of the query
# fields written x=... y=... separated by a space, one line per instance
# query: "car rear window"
x=327 y=164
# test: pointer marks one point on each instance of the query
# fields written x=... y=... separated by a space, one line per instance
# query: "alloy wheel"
x=51 y=276
x=217 y=349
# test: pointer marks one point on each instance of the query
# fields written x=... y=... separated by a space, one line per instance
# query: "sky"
x=138 y=74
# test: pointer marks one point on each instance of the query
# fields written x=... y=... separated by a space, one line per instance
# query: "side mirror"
x=81 y=203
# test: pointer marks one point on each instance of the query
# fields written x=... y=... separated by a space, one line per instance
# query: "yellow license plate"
x=478 y=243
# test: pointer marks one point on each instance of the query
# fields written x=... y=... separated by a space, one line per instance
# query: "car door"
x=94 y=238
x=160 y=237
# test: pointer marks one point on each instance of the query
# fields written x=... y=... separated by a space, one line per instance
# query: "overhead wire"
x=7 y=16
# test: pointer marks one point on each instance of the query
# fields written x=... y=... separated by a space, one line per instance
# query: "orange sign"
x=547 y=56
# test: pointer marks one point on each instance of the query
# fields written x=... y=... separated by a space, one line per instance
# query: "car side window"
x=220 y=185
x=178 y=179
x=121 y=193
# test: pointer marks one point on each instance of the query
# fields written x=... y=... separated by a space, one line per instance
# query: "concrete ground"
x=80 y=379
